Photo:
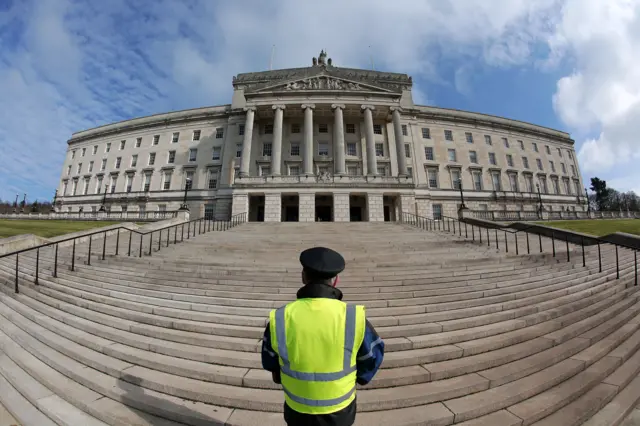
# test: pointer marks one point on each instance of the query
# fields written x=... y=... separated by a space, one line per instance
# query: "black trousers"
x=344 y=417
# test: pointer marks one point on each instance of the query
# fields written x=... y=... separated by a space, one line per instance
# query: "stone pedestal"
x=102 y=215
x=341 y=207
x=464 y=213
x=307 y=207
x=374 y=208
x=183 y=215
x=272 y=208
x=240 y=204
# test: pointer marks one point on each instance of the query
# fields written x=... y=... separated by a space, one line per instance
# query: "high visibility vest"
x=317 y=342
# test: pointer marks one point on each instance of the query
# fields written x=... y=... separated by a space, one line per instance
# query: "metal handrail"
x=203 y=225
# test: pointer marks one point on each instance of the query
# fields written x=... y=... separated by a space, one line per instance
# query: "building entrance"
x=390 y=208
x=290 y=208
x=324 y=208
x=256 y=208
x=357 y=208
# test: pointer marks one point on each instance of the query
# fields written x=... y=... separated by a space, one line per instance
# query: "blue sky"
x=68 y=65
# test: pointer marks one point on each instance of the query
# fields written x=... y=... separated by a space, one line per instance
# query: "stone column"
x=397 y=131
x=338 y=128
x=375 y=208
x=341 y=207
x=307 y=207
x=246 y=142
x=307 y=159
x=372 y=163
x=276 y=154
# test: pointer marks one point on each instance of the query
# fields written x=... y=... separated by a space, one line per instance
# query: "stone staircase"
x=474 y=336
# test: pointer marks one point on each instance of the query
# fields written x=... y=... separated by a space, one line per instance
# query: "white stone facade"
x=333 y=143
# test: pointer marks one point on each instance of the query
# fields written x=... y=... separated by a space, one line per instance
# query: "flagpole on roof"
x=273 y=50
x=373 y=67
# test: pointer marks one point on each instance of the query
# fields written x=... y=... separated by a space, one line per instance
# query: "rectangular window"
x=577 y=184
x=539 y=163
x=238 y=150
x=513 y=181
x=564 y=168
x=382 y=170
x=553 y=166
x=437 y=211
x=266 y=149
x=404 y=130
x=473 y=157
x=107 y=147
x=535 y=146
x=213 y=180
x=138 y=142
x=219 y=133
x=509 y=160
x=188 y=181
x=193 y=154
x=448 y=135
x=152 y=158
x=118 y=162
x=379 y=150
x=432 y=176
x=85 y=188
x=492 y=159
x=352 y=170
x=162 y=208
x=172 y=157
x=240 y=129
x=295 y=127
x=497 y=184
x=559 y=152
x=451 y=153
x=377 y=129
x=103 y=164
x=548 y=149
x=477 y=181
x=426 y=133
x=90 y=166
x=122 y=144
x=525 y=162
x=487 y=140
x=147 y=182
x=428 y=153
x=65 y=185
x=69 y=169
x=265 y=170
x=294 y=170
x=95 y=150
x=114 y=183
x=268 y=129
x=351 y=149
x=407 y=150
x=74 y=187
x=79 y=169
x=570 y=155
x=469 y=137
x=156 y=140
x=506 y=142
x=556 y=186
x=175 y=137
x=128 y=182
x=528 y=180
x=84 y=151
x=543 y=184
x=410 y=171
x=351 y=128
x=521 y=144
x=99 y=185
x=573 y=170
x=73 y=154
x=455 y=179
x=323 y=128
x=134 y=160
x=166 y=185
x=323 y=149
x=295 y=149
x=567 y=186
x=196 y=135
x=216 y=153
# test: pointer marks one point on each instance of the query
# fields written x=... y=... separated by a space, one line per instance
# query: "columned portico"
x=307 y=159
x=397 y=131
x=372 y=163
x=276 y=155
x=338 y=128
x=246 y=142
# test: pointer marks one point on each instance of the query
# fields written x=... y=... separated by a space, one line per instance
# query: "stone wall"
x=307 y=208
x=341 y=207
x=240 y=204
x=374 y=207
x=272 y=207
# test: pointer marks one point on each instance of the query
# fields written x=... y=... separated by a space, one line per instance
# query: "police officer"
x=319 y=347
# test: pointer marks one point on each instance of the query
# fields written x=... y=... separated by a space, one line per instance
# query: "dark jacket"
x=368 y=361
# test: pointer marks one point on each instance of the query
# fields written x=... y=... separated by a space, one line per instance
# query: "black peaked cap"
x=322 y=262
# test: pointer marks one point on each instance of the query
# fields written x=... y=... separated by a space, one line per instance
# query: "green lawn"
x=598 y=227
x=46 y=228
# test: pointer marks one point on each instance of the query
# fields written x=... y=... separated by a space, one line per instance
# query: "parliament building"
x=320 y=143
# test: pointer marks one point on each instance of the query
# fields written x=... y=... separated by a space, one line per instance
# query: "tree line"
x=7 y=207
x=604 y=198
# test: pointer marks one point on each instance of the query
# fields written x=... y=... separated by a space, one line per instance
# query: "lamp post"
x=586 y=193
x=24 y=203
x=539 y=199
x=104 y=199
x=187 y=186
x=15 y=204
x=462 y=206
x=55 y=200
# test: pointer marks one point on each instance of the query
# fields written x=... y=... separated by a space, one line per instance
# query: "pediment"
x=322 y=83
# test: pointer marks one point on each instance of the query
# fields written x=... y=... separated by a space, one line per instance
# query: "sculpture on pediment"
x=322 y=83
x=321 y=60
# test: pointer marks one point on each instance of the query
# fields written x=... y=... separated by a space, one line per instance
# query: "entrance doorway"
x=391 y=208
x=324 y=208
x=290 y=208
x=357 y=208
x=256 y=208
